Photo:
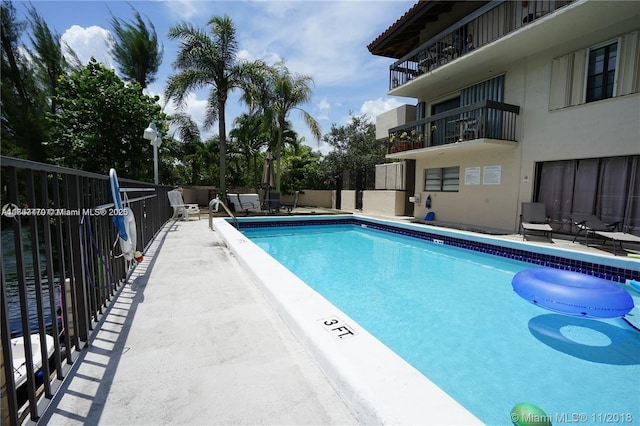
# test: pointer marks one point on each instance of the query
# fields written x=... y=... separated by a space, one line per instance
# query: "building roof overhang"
x=404 y=34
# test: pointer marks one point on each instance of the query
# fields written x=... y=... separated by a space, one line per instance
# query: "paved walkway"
x=191 y=340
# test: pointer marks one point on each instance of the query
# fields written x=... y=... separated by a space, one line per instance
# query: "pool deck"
x=191 y=339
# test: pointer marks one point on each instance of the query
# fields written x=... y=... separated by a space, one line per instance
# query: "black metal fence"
x=59 y=269
x=485 y=119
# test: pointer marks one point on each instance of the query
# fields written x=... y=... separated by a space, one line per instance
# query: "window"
x=601 y=72
x=445 y=179
x=445 y=106
x=606 y=187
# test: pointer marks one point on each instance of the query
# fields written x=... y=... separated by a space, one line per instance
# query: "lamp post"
x=154 y=135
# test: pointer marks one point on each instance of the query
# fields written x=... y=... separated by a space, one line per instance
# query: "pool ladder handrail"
x=233 y=218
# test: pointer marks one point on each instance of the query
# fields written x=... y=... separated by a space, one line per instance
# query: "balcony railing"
x=486 y=25
x=486 y=119
x=57 y=270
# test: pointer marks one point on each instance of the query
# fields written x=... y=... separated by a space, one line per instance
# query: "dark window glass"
x=602 y=71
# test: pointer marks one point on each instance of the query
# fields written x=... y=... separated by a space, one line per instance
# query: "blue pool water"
x=453 y=315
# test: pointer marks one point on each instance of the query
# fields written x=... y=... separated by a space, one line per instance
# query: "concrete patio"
x=191 y=340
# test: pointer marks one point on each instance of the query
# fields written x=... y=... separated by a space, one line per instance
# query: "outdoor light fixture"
x=150 y=132
x=154 y=135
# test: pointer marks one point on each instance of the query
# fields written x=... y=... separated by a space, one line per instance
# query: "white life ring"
x=125 y=224
x=128 y=246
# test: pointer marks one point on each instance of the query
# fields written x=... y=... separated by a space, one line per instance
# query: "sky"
x=326 y=40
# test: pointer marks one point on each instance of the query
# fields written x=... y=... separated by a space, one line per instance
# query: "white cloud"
x=268 y=57
x=90 y=41
x=322 y=110
x=193 y=106
x=374 y=107
x=196 y=108
x=324 y=105
x=320 y=39
x=184 y=9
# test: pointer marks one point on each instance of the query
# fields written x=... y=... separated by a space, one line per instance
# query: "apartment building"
x=517 y=101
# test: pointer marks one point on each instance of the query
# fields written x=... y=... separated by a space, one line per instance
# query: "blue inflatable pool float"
x=572 y=293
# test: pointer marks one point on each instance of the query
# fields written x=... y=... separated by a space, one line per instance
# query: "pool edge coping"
x=377 y=384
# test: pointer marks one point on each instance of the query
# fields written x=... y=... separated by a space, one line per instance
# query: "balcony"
x=486 y=123
x=490 y=23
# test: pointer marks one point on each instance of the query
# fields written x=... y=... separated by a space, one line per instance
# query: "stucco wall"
x=486 y=205
x=393 y=118
x=388 y=203
x=311 y=198
x=348 y=200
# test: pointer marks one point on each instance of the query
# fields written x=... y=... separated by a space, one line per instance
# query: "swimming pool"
x=470 y=335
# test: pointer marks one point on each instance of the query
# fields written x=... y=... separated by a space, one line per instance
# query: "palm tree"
x=209 y=60
x=192 y=145
x=136 y=49
x=286 y=93
x=250 y=139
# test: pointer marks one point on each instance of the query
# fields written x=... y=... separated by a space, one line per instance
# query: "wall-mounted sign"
x=491 y=175
x=472 y=176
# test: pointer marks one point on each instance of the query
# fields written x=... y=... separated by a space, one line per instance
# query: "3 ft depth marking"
x=337 y=328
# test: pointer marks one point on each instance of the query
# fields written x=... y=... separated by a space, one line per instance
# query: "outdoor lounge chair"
x=590 y=224
x=245 y=202
x=618 y=237
x=533 y=218
x=180 y=209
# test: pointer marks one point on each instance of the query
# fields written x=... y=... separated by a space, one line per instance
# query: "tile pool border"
x=618 y=269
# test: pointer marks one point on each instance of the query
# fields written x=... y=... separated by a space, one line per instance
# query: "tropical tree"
x=286 y=92
x=136 y=49
x=208 y=60
x=300 y=169
x=355 y=151
x=50 y=57
x=249 y=139
x=289 y=92
x=192 y=148
x=23 y=103
x=99 y=124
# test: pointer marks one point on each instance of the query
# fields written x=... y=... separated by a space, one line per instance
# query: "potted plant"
x=404 y=141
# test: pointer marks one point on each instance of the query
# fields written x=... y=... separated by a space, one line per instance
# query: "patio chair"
x=618 y=237
x=180 y=209
x=272 y=203
x=533 y=218
x=473 y=128
x=590 y=224
x=291 y=207
x=248 y=203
